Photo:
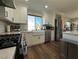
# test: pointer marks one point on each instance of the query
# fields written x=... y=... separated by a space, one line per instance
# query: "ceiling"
x=53 y=5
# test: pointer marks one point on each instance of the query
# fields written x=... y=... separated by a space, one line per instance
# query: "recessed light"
x=26 y=0
x=46 y=6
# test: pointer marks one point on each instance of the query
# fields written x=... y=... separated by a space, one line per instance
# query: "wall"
x=34 y=12
x=75 y=24
x=75 y=20
x=72 y=14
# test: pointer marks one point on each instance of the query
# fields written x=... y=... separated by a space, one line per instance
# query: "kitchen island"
x=71 y=36
x=69 y=45
x=7 y=53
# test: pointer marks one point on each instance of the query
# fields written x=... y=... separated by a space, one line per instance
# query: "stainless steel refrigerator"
x=58 y=28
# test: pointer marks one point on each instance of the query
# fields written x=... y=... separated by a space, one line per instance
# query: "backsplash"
x=2 y=26
x=24 y=27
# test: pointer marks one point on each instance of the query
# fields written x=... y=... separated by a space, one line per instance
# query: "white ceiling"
x=54 y=5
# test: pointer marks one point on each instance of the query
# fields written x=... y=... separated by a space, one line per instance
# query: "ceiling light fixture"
x=26 y=0
x=46 y=6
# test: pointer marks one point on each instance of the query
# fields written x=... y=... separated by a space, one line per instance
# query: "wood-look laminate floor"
x=44 y=51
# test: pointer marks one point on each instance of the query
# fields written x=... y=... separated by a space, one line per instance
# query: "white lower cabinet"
x=34 y=39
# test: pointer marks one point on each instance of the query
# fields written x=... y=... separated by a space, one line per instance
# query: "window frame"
x=35 y=19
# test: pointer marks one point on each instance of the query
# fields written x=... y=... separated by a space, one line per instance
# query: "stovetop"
x=9 y=40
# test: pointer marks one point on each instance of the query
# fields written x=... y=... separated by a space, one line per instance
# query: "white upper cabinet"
x=6 y=13
x=9 y=13
x=20 y=14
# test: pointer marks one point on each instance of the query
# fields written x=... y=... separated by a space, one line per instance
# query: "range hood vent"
x=7 y=3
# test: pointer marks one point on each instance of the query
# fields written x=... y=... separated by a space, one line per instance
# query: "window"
x=34 y=23
x=31 y=23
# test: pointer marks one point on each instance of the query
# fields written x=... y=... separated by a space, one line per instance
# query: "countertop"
x=8 y=33
x=71 y=37
x=71 y=32
x=7 y=53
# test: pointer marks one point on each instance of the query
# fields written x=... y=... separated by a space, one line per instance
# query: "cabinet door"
x=6 y=13
x=69 y=50
x=9 y=13
x=42 y=38
x=28 y=37
x=2 y=11
x=34 y=38
x=72 y=51
x=20 y=14
x=37 y=39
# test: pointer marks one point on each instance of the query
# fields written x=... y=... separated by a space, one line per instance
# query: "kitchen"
x=19 y=37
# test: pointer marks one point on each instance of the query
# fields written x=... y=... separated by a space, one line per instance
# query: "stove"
x=11 y=40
